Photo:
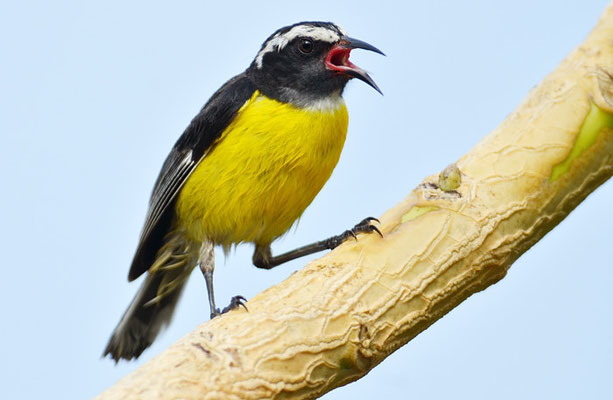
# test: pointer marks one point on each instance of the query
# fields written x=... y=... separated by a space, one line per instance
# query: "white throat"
x=325 y=104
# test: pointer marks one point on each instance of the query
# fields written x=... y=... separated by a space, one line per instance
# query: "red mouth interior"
x=338 y=59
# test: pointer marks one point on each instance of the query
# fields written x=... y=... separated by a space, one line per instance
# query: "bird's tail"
x=154 y=304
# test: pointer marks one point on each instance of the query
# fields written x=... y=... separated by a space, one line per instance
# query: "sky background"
x=94 y=94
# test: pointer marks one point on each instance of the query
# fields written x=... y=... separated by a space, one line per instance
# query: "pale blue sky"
x=94 y=94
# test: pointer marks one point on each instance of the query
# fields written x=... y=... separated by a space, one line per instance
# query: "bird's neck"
x=306 y=95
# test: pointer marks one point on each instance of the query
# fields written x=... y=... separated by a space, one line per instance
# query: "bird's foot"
x=364 y=226
x=235 y=302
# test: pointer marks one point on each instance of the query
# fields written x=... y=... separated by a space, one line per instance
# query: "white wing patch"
x=279 y=41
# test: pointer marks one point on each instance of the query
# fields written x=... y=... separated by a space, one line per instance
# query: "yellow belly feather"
x=266 y=168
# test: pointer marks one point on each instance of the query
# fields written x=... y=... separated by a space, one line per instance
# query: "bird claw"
x=364 y=226
x=235 y=302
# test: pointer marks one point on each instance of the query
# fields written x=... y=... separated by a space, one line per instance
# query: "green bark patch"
x=417 y=211
x=595 y=121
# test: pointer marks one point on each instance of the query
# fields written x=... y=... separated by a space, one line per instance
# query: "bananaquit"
x=244 y=170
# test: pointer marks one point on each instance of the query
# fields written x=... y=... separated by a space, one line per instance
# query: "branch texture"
x=341 y=315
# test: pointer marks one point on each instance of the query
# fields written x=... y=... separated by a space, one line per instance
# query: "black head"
x=306 y=62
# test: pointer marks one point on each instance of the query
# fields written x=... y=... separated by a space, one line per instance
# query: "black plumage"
x=187 y=152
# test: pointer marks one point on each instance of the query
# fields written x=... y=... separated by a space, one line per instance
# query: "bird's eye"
x=305 y=45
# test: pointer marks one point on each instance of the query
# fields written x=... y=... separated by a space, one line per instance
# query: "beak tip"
x=353 y=43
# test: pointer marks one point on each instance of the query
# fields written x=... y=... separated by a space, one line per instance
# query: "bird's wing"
x=189 y=150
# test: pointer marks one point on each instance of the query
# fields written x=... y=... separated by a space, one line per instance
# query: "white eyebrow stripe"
x=279 y=41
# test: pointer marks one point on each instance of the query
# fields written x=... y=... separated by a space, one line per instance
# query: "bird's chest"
x=268 y=166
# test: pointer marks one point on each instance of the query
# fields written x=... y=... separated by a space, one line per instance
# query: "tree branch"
x=333 y=321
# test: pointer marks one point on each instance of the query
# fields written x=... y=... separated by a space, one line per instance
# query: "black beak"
x=352 y=43
x=355 y=71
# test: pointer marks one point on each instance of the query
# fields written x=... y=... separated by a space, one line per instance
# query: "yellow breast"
x=266 y=168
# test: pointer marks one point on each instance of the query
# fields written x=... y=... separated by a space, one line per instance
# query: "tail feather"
x=153 y=305
x=141 y=324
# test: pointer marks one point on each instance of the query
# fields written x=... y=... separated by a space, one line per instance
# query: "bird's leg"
x=207 y=266
x=263 y=258
x=208 y=278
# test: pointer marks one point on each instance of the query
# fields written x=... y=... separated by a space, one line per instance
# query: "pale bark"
x=331 y=322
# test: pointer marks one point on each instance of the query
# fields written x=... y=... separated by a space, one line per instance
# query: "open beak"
x=338 y=60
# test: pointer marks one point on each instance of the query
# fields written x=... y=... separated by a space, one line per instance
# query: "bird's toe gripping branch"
x=235 y=302
x=364 y=226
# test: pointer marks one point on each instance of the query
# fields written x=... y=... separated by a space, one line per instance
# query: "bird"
x=243 y=171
